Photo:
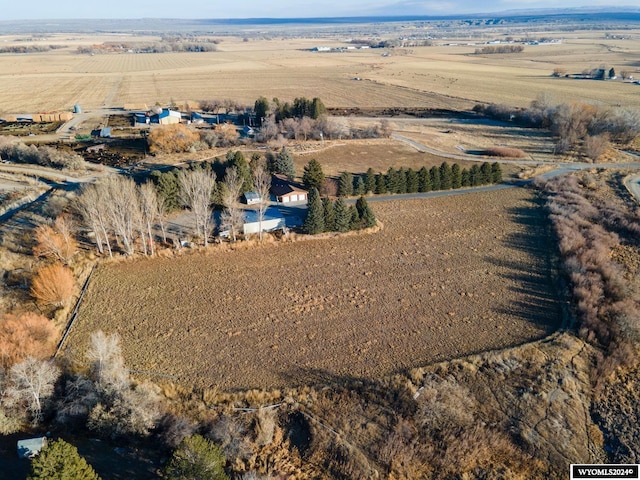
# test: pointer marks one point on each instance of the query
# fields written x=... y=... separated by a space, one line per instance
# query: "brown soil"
x=445 y=278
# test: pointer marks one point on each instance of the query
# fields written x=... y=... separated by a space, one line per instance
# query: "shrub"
x=505 y=152
x=53 y=285
x=60 y=460
x=27 y=335
x=196 y=458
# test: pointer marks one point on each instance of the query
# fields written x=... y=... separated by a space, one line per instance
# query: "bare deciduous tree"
x=196 y=189
x=93 y=210
x=233 y=215
x=150 y=210
x=56 y=242
x=262 y=185
x=30 y=383
x=107 y=362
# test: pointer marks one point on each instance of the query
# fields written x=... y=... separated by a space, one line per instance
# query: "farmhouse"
x=273 y=220
x=286 y=191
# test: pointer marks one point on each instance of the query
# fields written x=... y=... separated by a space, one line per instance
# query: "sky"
x=61 y=9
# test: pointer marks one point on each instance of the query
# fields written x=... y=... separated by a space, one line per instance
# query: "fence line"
x=74 y=315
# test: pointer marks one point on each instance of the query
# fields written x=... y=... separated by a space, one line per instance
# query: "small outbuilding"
x=31 y=447
x=251 y=198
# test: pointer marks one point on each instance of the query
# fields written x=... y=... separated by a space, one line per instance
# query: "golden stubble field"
x=445 y=277
x=436 y=77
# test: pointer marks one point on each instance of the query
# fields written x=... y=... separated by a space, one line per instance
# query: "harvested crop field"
x=445 y=277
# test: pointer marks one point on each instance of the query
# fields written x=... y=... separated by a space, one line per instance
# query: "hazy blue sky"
x=55 y=9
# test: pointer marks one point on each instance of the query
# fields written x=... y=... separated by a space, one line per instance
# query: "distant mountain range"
x=405 y=11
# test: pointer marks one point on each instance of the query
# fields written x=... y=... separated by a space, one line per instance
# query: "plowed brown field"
x=444 y=278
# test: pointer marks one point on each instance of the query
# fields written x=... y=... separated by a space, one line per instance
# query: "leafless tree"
x=262 y=185
x=56 y=241
x=305 y=126
x=107 y=362
x=30 y=383
x=594 y=146
x=233 y=215
x=196 y=189
x=149 y=208
x=269 y=129
x=123 y=209
x=93 y=210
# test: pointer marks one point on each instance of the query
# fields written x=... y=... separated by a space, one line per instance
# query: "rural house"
x=287 y=191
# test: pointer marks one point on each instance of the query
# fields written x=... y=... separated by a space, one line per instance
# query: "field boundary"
x=74 y=315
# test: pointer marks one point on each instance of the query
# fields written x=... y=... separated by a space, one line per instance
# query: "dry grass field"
x=437 y=76
x=444 y=278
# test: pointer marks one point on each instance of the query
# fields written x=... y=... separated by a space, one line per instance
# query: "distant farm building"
x=287 y=191
x=96 y=148
x=273 y=220
x=104 y=132
x=39 y=117
x=167 y=117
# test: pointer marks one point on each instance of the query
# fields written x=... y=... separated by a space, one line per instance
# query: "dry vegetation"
x=436 y=76
x=445 y=277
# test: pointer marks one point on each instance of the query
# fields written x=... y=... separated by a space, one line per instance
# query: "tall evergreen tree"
x=367 y=217
x=343 y=216
x=424 y=180
x=413 y=183
x=466 y=181
x=261 y=109
x=434 y=172
x=329 y=215
x=317 y=108
x=392 y=181
x=456 y=176
x=370 y=181
x=196 y=458
x=345 y=184
x=168 y=188
x=445 y=176
x=496 y=173
x=381 y=184
x=355 y=222
x=358 y=188
x=284 y=164
x=401 y=181
x=314 y=222
x=486 y=173
x=237 y=160
x=60 y=460
x=313 y=175
x=475 y=178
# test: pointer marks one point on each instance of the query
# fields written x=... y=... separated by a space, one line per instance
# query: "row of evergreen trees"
x=445 y=177
x=325 y=215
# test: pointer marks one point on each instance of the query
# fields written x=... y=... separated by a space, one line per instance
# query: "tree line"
x=14 y=150
x=444 y=177
x=580 y=127
x=325 y=215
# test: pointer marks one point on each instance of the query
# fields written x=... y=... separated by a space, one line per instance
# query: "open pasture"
x=437 y=76
x=445 y=277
